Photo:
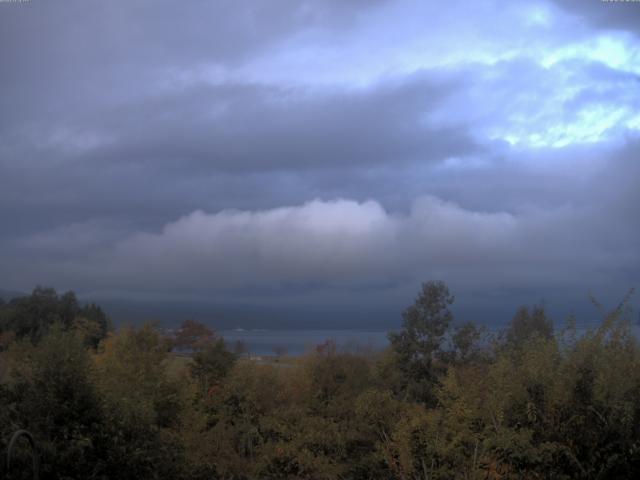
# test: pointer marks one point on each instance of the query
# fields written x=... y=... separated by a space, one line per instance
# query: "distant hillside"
x=7 y=295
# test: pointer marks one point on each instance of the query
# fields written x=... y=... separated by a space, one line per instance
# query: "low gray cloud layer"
x=300 y=149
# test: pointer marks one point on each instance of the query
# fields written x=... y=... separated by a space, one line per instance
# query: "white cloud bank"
x=344 y=244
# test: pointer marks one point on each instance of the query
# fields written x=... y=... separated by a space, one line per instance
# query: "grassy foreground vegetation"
x=442 y=402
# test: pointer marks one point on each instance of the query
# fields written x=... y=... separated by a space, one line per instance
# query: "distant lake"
x=298 y=342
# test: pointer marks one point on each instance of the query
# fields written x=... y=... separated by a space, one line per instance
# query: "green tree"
x=211 y=364
x=142 y=405
x=465 y=341
x=418 y=346
x=32 y=316
x=528 y=323
x=94 y=323
x=50 y=393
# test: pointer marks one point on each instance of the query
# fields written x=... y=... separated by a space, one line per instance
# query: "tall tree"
x=418 y=345
x=528 y=323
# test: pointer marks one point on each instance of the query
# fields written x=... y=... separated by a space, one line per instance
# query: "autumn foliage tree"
x=193 y=335
x=441 y=402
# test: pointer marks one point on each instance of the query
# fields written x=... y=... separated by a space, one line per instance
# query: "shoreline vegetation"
x=443 y=400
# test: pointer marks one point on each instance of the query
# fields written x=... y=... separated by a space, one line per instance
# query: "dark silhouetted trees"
x=418 y=346
x=441 y=402
x=32 y=316
x=211 y=363
x=528 y=323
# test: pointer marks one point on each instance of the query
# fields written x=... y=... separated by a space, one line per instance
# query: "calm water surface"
x=297 y=342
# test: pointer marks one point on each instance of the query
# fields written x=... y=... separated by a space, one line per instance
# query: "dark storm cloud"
x=616 y=15
x=208 y=128
x=180 y=151
x=58 y=55
x=170 y=149
x=346 y=244
x=161 y=31
x=184 y=150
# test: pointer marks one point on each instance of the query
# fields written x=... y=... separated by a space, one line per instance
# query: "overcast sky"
x=321 y=152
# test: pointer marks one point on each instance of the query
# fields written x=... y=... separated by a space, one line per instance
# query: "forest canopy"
x=444 y=400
